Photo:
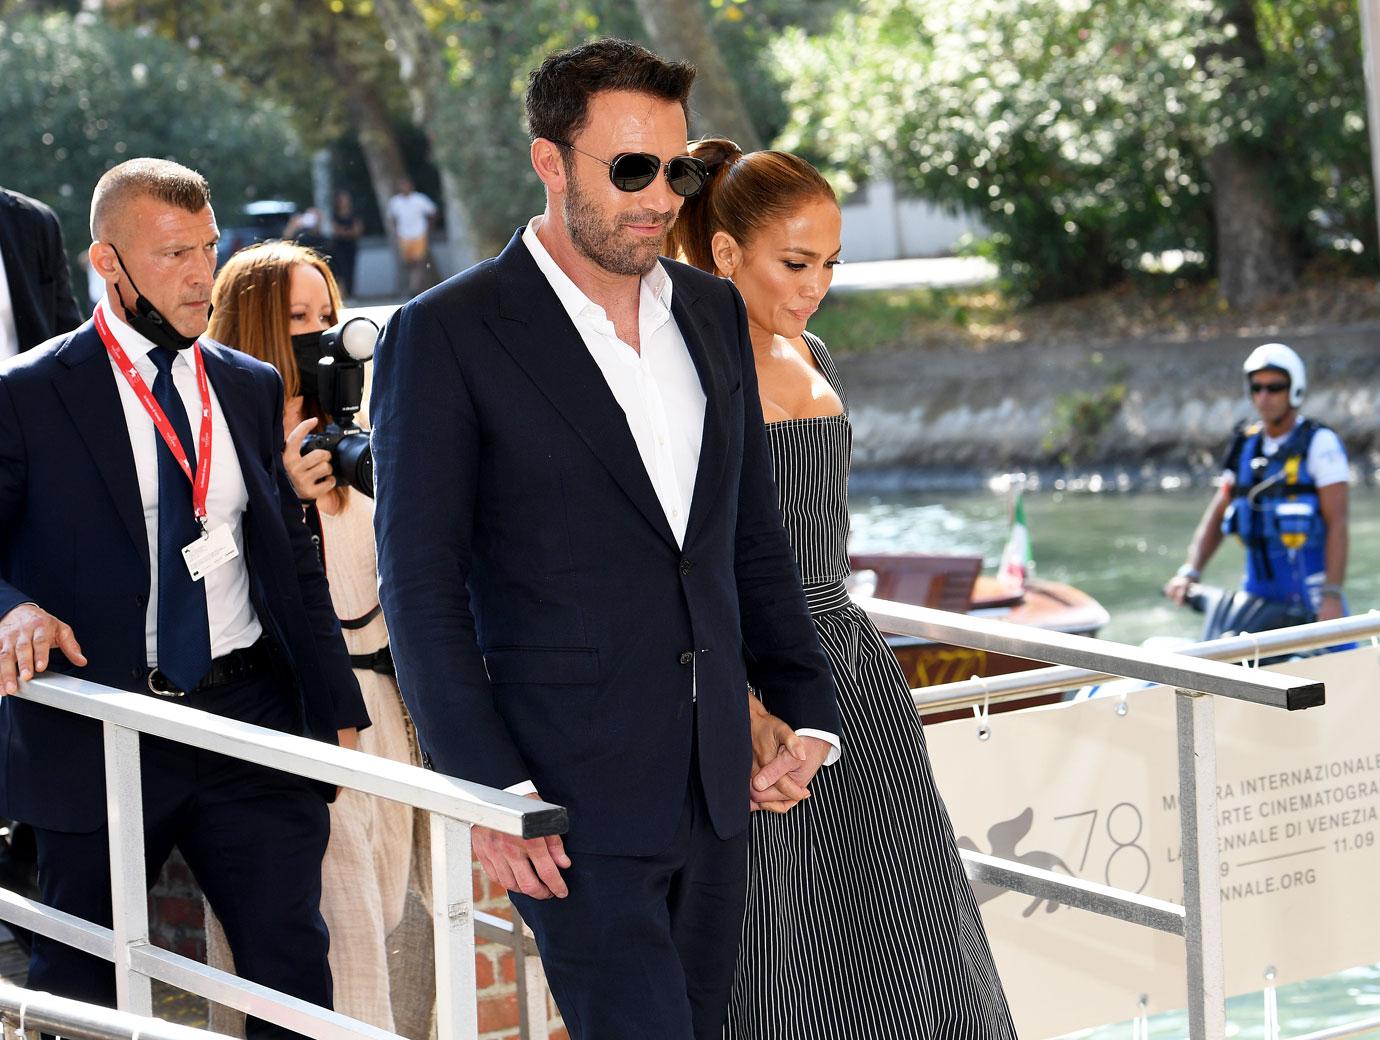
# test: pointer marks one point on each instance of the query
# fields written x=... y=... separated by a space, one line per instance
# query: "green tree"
x=78 y=96
x=1089 y=133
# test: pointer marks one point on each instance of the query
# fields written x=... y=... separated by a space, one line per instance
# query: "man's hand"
x=348 y=738
x=787 y=778
x=528 y=866
x=1330 y=608
x=28 y=633
x=311 y=474
x=1176 y=588
x=776 y=750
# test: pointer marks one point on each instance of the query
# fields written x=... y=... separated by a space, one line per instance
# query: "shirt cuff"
x=524 y=788
x=832 y=739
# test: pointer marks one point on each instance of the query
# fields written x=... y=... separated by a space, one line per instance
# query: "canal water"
x=1121 y=547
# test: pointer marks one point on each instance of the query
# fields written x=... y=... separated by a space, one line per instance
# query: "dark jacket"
x=36 y=269
x=545 y=624
x=72 y=540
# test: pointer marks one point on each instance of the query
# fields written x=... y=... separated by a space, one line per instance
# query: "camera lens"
x=354 y=462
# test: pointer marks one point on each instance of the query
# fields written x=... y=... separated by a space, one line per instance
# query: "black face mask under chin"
x=306 y=347
x=146 y=319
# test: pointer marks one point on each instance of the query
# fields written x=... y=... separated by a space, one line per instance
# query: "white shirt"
x=658 y=390
x=1327 y=462
x=233 y=623
x=410 y=214
x=9 y=335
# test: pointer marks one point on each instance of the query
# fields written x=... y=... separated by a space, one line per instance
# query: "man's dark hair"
x=559 y=89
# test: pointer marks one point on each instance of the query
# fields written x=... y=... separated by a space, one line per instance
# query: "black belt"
x=381 y=661
x=232 y=667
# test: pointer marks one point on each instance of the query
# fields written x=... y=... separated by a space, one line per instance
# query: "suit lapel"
x=87 y=387
x=235 y=390
x=705 y=345
x=539 y=335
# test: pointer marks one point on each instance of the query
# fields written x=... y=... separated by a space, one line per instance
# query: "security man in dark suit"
x=150 y=541
x=36 y=300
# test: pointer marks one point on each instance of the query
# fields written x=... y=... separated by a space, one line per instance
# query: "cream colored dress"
x=376 y=878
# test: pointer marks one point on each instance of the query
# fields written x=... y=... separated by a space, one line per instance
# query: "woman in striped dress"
x=860 y=922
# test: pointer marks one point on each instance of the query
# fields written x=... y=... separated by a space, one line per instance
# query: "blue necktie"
x=184 y=633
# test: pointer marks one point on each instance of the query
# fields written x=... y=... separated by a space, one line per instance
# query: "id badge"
x=213 y=549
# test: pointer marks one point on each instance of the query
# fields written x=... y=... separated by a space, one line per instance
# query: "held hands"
x=28 y=633
x=531 y=866
x=784 y=762
x=311 y=474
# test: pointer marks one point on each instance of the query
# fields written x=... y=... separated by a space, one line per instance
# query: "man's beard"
x=601 y=242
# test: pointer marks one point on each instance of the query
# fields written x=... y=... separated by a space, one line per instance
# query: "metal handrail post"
x=452 y=916
x=531 y=987
x=1202 y=869
x=128 y=885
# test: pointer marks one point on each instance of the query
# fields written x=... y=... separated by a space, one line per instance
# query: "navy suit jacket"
x=544 y=622
x=73 y=540
x=36 y=270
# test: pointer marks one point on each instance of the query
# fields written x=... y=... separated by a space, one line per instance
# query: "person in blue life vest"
x=1284 y=494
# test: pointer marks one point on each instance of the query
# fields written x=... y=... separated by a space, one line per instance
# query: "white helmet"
x=1277 y=355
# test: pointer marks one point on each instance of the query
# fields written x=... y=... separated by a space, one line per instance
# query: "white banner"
x=1084 y=790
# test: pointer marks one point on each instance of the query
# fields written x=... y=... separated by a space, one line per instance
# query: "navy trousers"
x=253 y=837
x=646 y=946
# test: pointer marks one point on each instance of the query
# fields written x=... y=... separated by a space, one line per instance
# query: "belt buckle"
x=156 y=677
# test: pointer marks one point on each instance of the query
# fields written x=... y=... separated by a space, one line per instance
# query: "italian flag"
x=1016 y=560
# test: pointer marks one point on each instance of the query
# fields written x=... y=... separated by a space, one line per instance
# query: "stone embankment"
x=1141 y=409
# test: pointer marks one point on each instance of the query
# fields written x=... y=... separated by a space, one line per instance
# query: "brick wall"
x=176 y=923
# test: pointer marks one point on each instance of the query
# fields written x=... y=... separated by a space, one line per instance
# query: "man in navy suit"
x=150 y=541
x=36 y=300
x=582 y=561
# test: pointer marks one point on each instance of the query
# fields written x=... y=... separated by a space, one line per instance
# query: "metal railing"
x=454 y=805
x=27 y=1013
x=1195 y=682
x=1253 y=647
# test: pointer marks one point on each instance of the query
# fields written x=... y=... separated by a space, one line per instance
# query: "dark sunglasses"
x=1269 y=388
x=633 y=171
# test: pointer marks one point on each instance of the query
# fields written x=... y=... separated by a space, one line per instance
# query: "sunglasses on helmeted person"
x=1268 y=388
x=633 y=171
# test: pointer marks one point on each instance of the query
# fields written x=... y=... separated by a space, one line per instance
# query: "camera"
x=340 y=389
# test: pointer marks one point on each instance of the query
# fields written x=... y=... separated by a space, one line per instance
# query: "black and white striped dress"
x=860 y=923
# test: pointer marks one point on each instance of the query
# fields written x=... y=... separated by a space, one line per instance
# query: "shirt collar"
x=656 y=283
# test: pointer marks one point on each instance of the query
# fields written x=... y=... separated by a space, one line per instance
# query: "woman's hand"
x=311 y=474
x=774 y=745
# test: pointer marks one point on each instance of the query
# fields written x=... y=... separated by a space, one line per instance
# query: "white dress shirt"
x=233 y=623
x=658 y=389
x=9 y=335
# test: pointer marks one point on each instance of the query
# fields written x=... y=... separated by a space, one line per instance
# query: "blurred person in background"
x=875 y=821
x=1284 y=493
x=346 y=230
x=36 y=301
x=273 y=301
x=411 y=216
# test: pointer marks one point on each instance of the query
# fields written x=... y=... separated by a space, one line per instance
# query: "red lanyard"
x=201 y=480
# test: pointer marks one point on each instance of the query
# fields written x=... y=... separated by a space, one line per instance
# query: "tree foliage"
x=78 y=96
x=1079 y=129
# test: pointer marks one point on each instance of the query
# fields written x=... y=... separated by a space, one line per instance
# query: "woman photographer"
x=273 y=300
